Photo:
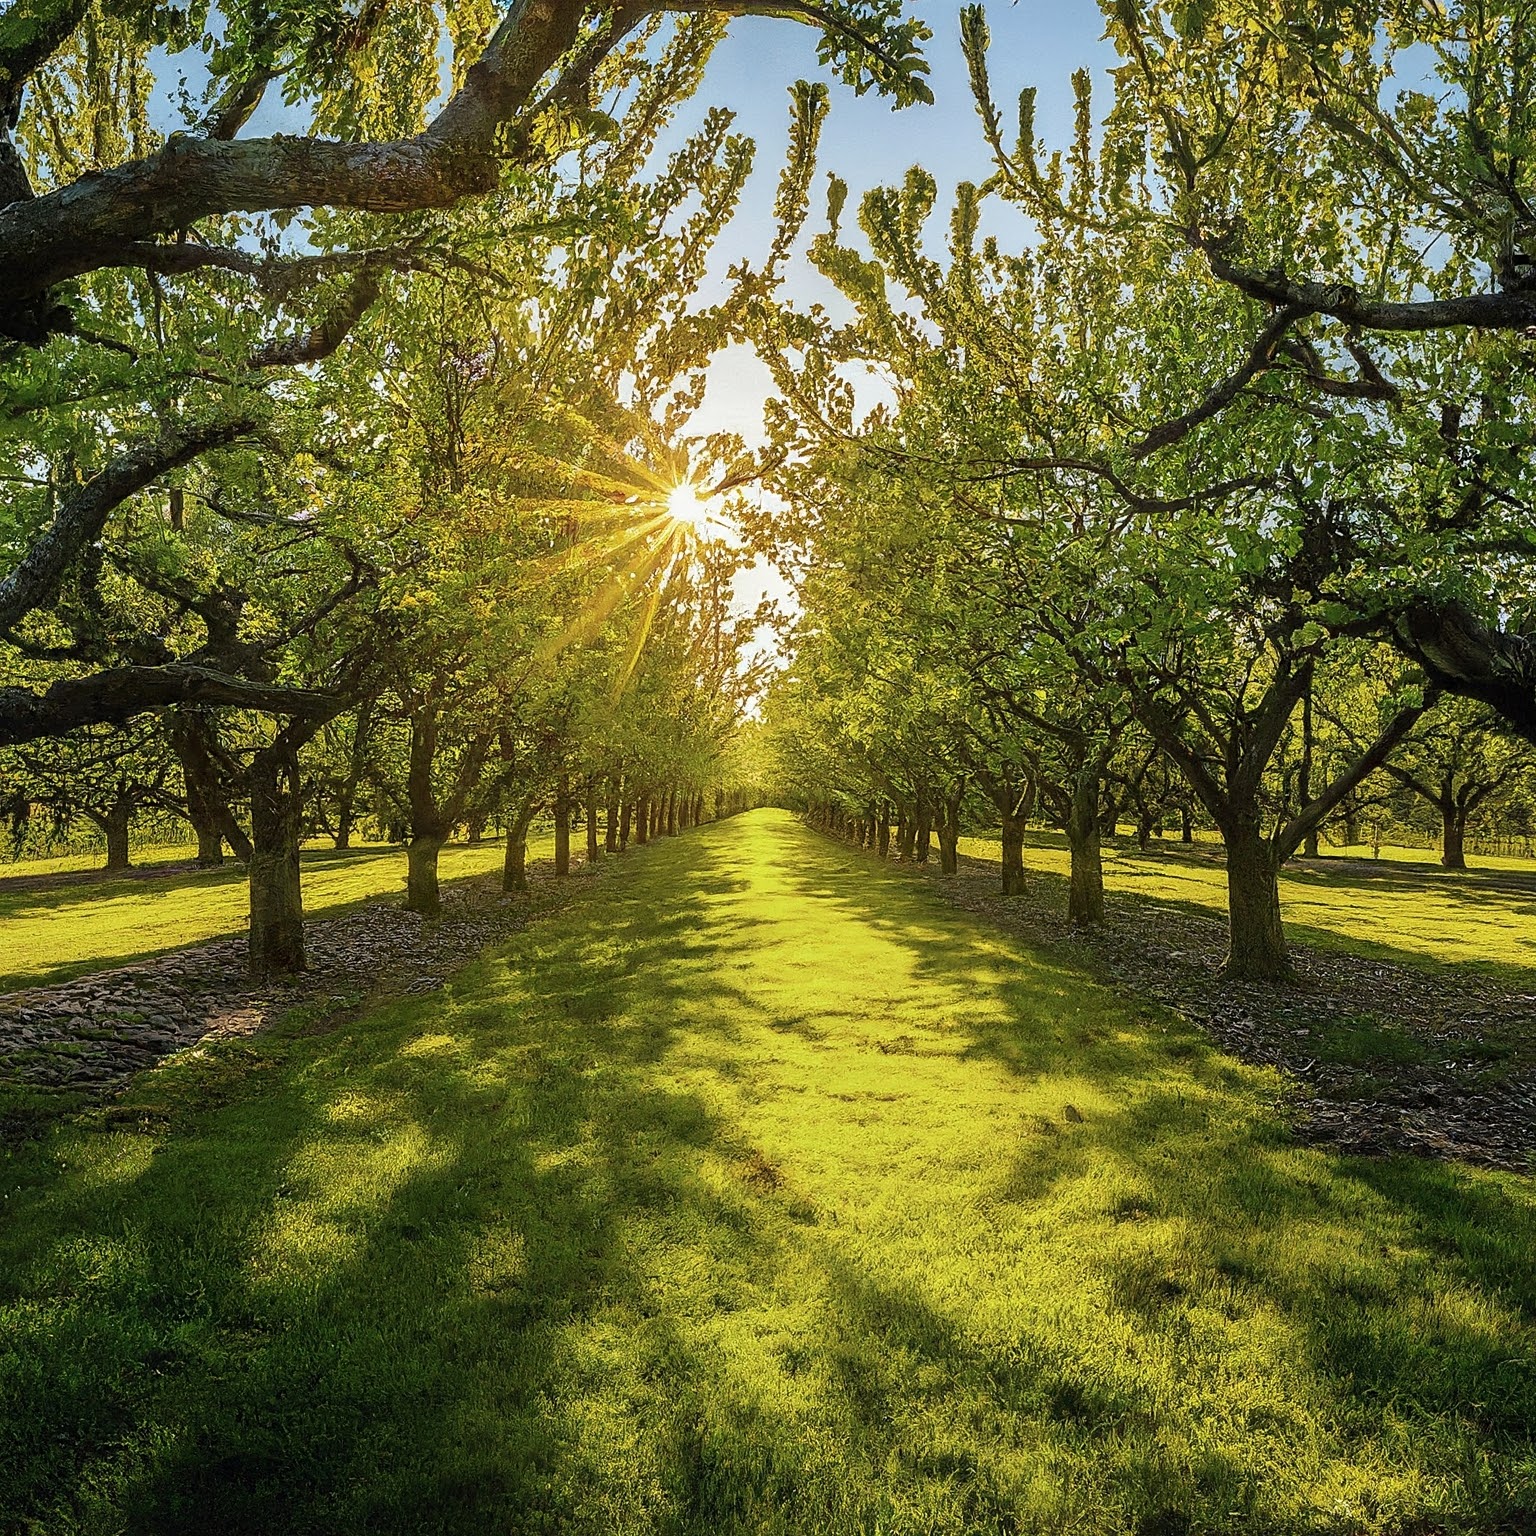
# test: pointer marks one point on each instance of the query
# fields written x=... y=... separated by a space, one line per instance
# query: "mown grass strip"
x=757 y=1191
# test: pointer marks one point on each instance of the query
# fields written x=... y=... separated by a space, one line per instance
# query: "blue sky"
x=868 y=144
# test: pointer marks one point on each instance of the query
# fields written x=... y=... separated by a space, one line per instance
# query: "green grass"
x=51 y=935
x=1484 y=919
x=757 y=1191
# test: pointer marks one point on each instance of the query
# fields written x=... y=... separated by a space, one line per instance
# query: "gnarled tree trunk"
x=277 y=901
x=1256 y=948
x=1085 y=892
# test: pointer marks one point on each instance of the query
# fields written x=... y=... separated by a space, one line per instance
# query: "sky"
x=869 y=144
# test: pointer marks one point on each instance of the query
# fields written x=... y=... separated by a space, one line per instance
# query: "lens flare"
x=684 y=506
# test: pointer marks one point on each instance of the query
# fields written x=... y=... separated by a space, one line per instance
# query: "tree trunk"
x=906 y=837
x=1304 y=773
x=1085 y=892
x=428 y=830
x=1453 y=835
x=883 y=832
x=625 y=823
x=207 y=803
x=563 y=826
x=1256 y=949
x=672 y=813
x=922 y=841
x=475 y=831
x=277 y=899
x=643 y=820
x=422 y=893
x=594 y=847
x=949 y=839
x=346 y=798
x=1013 y=854
x=1186 y=825
x=514 y=866
x=611 y=831
x=115 y=825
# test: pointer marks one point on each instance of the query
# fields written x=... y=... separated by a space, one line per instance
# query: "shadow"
x=102 y=924
x=743 y=1196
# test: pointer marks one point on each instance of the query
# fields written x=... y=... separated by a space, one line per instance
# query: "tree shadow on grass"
x=491 y=1260
x=1404 y=1286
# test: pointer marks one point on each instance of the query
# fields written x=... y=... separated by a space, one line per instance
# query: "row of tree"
x=338 y=466
x=1217 y=495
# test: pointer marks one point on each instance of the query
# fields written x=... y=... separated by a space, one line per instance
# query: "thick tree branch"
x=1466 y=656
x=82 y=515
x=457 y=156
x=1513 y=311
x=118 y=693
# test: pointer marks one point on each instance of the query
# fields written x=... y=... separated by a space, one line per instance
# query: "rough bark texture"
x=1013 y=854
x=423 y=893
x=118 y=693
x=1453 y=836
x=277 y=902
x=1256 y=936
x=514 y=868
x=1085 y=892
x=115 y=826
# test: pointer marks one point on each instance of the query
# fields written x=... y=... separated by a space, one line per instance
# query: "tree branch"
x=118 y=693
x=81 y=516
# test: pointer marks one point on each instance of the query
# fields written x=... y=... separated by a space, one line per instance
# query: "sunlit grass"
x=1421 y=913
x=758 y=1191
x=51 y=935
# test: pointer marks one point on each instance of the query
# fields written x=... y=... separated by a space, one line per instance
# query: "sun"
x=684 y=506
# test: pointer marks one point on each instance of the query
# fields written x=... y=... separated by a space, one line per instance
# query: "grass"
x=757 y=1191
x=1483 y=919
x=52 y=935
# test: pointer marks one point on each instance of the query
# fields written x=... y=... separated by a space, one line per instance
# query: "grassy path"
x=755 y=1192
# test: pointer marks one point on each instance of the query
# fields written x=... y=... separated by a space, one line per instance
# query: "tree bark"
x=563 y=826
x=1013 y=854
x=1256 y=947
x=883 y=831
x=1453 y=835
x=423 y=894
x=625 y=823
x=277 y=900
x=949 y=838
x=922 y=839
x=643 y=820
x=611 y=831
x=594 y=845
x=514 y=868
x=1085 y=891
x=115 y=825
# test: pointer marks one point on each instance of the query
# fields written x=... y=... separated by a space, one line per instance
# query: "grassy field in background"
x=757 y=1191
x=52 y=935
x=1483 y=918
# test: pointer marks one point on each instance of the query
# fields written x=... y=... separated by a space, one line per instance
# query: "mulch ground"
x=1463 y=1089
x=76 y=1045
